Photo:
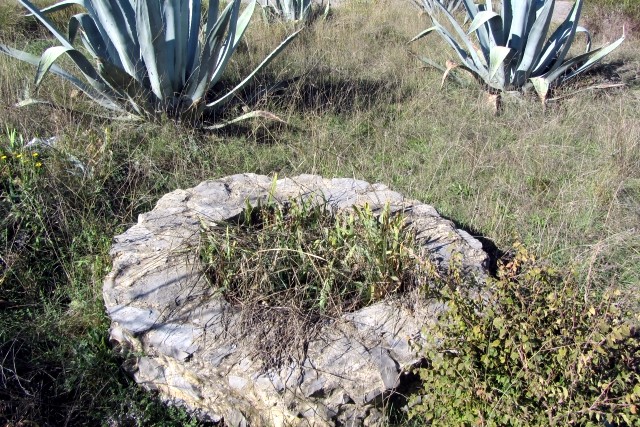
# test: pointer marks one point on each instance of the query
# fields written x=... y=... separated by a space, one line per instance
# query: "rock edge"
x=180 y=340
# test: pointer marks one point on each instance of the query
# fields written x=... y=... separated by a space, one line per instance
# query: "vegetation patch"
x=533 y=348
x=292 y=266
x=563 y=180
x=630 y=8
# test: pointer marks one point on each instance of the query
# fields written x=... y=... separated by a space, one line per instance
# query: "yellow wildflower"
x=38 y=164
x=34 y=155
x=3 y=157
x=18 y=156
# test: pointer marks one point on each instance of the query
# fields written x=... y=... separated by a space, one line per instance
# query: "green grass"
x=292 y=266
x=565 y=181
x=308 y=258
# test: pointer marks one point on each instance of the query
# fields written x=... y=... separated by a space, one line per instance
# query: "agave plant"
x=288 y=10
x=429 y=5
x=514 y=52
x=293 y=10
x=151 y=56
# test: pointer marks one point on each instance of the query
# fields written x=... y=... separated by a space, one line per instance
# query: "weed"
x=304 y=263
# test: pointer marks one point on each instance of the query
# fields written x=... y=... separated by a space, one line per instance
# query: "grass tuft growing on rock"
x=301 y=263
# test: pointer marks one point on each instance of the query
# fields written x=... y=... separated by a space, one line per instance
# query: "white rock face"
x=182 y=341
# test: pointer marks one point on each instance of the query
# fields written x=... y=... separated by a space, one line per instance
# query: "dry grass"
x=291 y=268
x=606 y=18
x=565 y=181
x=552 y=177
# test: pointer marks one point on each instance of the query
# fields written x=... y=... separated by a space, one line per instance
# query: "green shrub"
x=23 y=229
x=533 y=349
x=56 y=227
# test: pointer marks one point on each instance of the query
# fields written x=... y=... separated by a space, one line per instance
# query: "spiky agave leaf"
x=95 y=95
x=515 y=51
x=224 y=99
x=150 y=59
x=288 y=10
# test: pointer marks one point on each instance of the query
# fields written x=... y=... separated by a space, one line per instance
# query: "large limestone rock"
x=184 y=342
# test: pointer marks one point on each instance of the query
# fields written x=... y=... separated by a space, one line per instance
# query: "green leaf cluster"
x=531 y=349
x=151 y=57
x=513 y=51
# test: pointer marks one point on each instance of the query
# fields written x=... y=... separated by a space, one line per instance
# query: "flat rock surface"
x=182 y=340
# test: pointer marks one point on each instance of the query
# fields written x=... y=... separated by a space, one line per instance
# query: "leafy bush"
x=514 y=52
x=532 y=350
x=151 y=59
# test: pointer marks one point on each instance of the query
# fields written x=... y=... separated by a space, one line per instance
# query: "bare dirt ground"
x=561 y=10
